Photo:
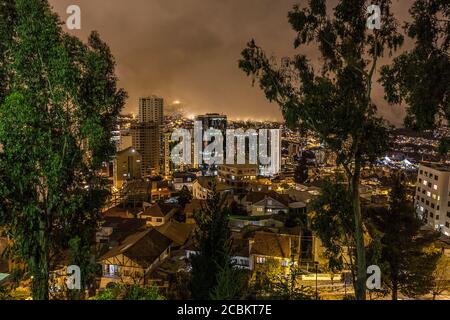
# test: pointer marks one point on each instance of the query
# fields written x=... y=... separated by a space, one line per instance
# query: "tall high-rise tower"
x=146 y=139
x=151 y=109
x=146 y=134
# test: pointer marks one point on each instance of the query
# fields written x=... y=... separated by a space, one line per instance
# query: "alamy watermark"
x=374 y=19
x=73 y=22
x=211 y=148
x=73 y=281
x=374 y=278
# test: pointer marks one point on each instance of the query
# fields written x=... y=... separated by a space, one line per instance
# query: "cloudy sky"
x=188 y=50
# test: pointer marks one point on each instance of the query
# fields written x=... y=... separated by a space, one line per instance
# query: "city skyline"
x=135 y=162
x=154 y=59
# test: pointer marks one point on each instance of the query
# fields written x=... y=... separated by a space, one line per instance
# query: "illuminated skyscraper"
x=147 y=141
x=146 y=134
x=151 y=109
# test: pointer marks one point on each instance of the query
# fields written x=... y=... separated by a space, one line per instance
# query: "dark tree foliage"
x=231 y=283
x=57 y=109
x=8 y=19
x=406 y=259
x=212 y=246
x=130 y=292
x=301 y=171
x=184 y=197
x=333 y=223
x=420 y=77
x=334 y=101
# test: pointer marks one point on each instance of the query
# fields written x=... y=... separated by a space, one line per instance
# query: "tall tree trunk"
x=41 y=267
x=360 y=285
x=394 y=289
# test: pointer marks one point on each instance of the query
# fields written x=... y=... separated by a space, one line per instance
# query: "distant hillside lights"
x=264 y=148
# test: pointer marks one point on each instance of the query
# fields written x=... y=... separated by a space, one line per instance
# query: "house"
x=202 y=188
x=183 y=179
x=194 y=206
x=121 y=212
x=134 y=258
x=160 y=190
x=305 y=195
x=268 y=247
x=159 y=213
x=127 y=166
x=240 y=223
x=178 y=232
x=238 y=175
x=135 y=192
x=265 y=204
x=115 y=229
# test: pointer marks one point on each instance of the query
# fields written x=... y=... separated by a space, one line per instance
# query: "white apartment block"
x=432 y=200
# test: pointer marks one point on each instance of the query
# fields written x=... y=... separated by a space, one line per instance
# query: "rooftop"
x=255 y=197
x=159 y=209
x=143 y=247
x=274 y=245
x=119 y=212
x=437 y=166
x=176 y=231
x=122 y=227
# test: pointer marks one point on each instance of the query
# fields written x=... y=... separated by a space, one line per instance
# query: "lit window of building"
x=260 y=260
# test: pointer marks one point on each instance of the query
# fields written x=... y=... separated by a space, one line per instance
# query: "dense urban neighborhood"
x=330 y=203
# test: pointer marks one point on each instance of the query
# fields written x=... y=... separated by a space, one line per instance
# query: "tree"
x=184 y=196
x=301 y=171
x=334 y=102
x=289 y=287
x=407 y=259
x=129 y=292
x=420 y=77
x=273 y=281
x=56 y=118
x=8 y=19
x=231 y=283
x=441 y=276
x=332 y=221
x=212 y=246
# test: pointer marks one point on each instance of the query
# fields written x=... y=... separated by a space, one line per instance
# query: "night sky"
x=187 y=50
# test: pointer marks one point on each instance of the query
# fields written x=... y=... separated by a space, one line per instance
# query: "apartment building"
x=432 y=199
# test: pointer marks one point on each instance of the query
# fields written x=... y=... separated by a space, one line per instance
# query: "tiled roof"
x=122 y=227
x=177 y=232
x=159 y=209
x=274 y=245
x=119 y=212
x=142 y=247
x=254 y=197
x=194 y=205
